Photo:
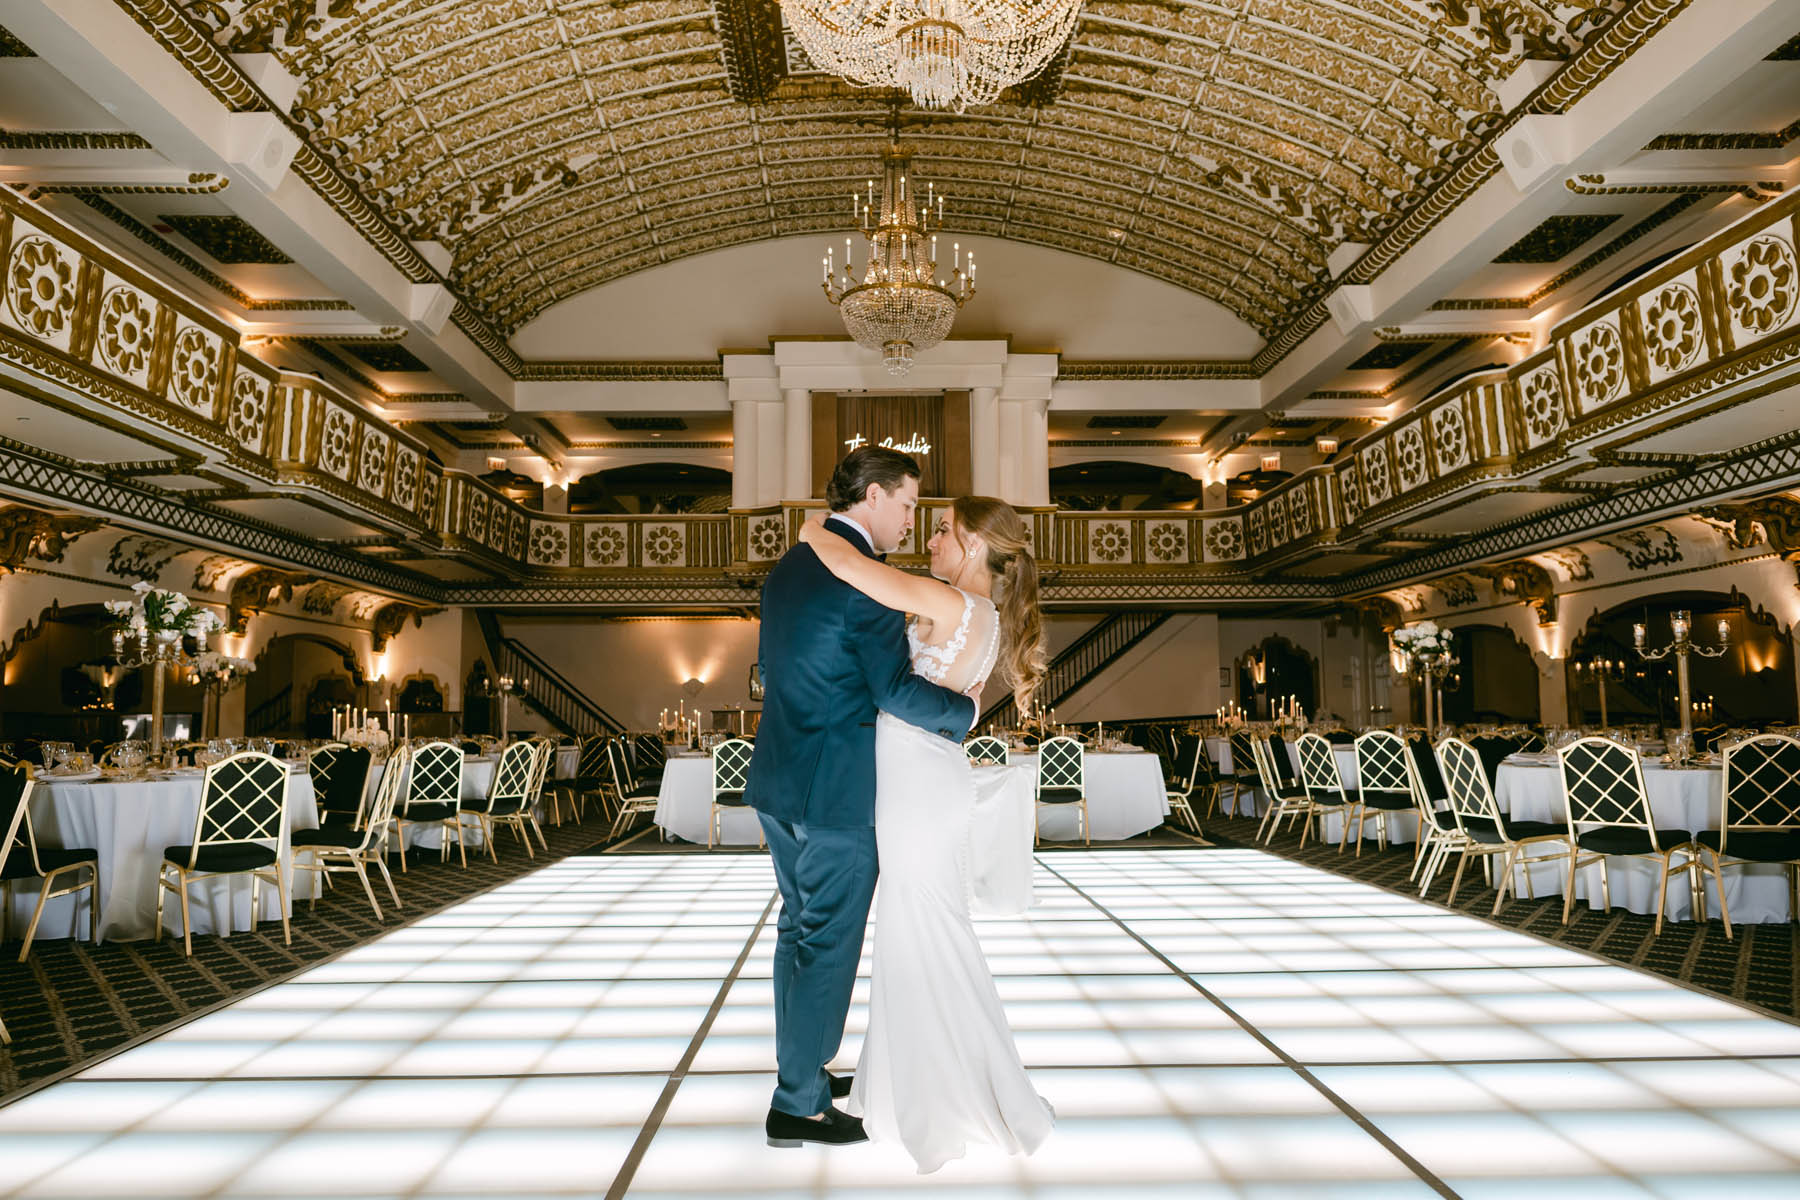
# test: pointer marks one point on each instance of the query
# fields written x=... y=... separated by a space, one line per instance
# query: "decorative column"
x=984 y=441
x=797 y=419
x=1553 y=689
x=743 y=452
x=1034 y=450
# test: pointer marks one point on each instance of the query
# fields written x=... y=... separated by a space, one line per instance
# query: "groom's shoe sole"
x=787 y=1132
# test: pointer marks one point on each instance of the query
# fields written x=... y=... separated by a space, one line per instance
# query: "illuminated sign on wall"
x=915 y=444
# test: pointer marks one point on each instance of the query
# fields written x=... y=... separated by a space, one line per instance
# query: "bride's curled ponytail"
x=1016 y=590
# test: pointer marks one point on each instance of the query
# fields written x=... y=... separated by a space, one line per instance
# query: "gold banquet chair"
x=1609 y=813
x=1061 y=779
x=1181 y=788
x=1292 y=800
x=1759 y=818
x=633 y=799
x=433 y=796
x=986 y=751
x=242 y=821
x=22 y=858
x=730 y=775
x=363 y=843
x=1384 y=785
x=590 y=778
x=1485 y=830
x=508 y=800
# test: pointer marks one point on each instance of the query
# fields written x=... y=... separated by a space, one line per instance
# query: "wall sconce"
x=692 y=688
x=1259 y=671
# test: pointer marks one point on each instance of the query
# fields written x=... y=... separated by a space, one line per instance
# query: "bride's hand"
x=813 y=529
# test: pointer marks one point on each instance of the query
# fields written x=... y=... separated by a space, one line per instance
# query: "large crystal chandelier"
x=944 y=53
x=897 y=304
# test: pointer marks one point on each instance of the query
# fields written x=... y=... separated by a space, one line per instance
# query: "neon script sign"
x=912 y=445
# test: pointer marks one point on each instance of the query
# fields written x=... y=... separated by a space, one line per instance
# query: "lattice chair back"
x=1604 y=784
x=242 y=799
x=340 y=775
x=1381 y=763
x=648 y=753
x=378 y=821
x=986 y=751
x=1263 y=754
x=1318 y=767
x=1762 y=786
x=1243 y=754
x=731 y=770
x=591 y=763
x=1278 y=758
x=1185 y=753
x=16 y=784
x=1206 y=771
x=436 y=775
x=618 y=757
x=546 y=755
x=1465 y=778
x=1060 y=764
x=510 y=791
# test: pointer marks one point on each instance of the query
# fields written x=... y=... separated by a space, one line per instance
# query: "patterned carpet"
x=72 y=1001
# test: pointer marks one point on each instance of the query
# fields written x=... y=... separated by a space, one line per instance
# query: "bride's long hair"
x=1009 y=559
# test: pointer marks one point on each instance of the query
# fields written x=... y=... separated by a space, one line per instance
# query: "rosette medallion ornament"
x=897 y=304
x=942 y=53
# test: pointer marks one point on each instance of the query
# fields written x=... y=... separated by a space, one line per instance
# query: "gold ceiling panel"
x=1227 y=146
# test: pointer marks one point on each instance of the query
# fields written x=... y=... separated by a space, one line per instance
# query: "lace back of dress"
x=969 y=653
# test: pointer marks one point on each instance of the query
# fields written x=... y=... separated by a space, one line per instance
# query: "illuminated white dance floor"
x=1207 y=1023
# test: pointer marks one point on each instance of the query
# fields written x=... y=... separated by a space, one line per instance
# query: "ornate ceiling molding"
x=750 y=34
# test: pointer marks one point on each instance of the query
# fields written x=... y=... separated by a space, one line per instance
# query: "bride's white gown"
x=939 y=1068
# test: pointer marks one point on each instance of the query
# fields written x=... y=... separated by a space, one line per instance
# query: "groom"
x=830 y=658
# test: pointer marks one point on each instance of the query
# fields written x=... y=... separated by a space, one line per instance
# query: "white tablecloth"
x=1679 y=799
x=130 y=825
x=567 y=759
x=1126 y=796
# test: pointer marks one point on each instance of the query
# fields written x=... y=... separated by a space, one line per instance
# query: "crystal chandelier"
x=943 y=53
x=897 y=304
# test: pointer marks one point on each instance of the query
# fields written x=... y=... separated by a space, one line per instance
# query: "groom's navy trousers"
x=831 y=658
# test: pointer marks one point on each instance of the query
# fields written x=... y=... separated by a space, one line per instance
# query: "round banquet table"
x=1680 y=798
x=130 y=823
x=1125 y=791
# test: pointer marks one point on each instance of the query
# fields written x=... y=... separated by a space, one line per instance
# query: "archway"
x=1495 y=681
x=1271 y=672
x=1752 y=684
x=280 y=696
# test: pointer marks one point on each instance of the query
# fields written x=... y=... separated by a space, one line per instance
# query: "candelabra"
x=507 y=687
x=157 y=649
x=1431 y=670
x=1682 y=646
x=1600 y=670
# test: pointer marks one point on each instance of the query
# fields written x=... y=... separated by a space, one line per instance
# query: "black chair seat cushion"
x=1625 y=840
x=1753 y=845
x=1059 y=795
x=223 y=857
x=648 y=778
x=340 y=837
x=1291 y=791
x=1331 y=797
x=436 y=811
x=1483 y=830
x=51 y=858
x=1445 y=820
x=1389 y=801
x=731 y=797
x=581 y=783
x=643 y=792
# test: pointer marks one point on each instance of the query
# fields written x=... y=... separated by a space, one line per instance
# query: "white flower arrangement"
x=158 y=610
x=212 y=665
x=1424 y=641
x=371 y=735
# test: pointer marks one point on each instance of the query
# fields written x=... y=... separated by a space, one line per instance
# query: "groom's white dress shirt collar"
x=868 y=540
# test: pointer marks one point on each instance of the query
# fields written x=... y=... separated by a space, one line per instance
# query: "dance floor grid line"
x=1208 y=1023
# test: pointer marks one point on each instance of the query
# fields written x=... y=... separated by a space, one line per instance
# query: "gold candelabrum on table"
x=1427 y=653
x=507 y=687
x=154 y=628
x=1682 y=645
x=217 y=673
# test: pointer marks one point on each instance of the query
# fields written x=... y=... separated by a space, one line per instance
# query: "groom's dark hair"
x=865 y=465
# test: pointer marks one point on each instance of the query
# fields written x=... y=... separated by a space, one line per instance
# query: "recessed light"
x=1115 y=433
x=656 y=435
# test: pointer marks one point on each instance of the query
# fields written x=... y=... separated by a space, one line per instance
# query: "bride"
x=939 y=1068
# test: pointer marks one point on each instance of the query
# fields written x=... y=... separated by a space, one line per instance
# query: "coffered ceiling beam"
x=1687 y=62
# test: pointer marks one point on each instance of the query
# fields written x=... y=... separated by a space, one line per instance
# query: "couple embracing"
x=858 y=760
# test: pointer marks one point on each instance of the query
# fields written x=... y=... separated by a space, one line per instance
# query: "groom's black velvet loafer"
x=836 y=1129
x=840 y=1085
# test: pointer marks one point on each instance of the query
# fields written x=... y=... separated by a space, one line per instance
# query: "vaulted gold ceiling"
x=1228 y=147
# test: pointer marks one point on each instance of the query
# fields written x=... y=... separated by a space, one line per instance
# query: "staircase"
x=1082 y=661
x=271 y=716
x=562 y=703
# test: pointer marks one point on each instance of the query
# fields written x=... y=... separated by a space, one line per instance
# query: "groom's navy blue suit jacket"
x=830 y=658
